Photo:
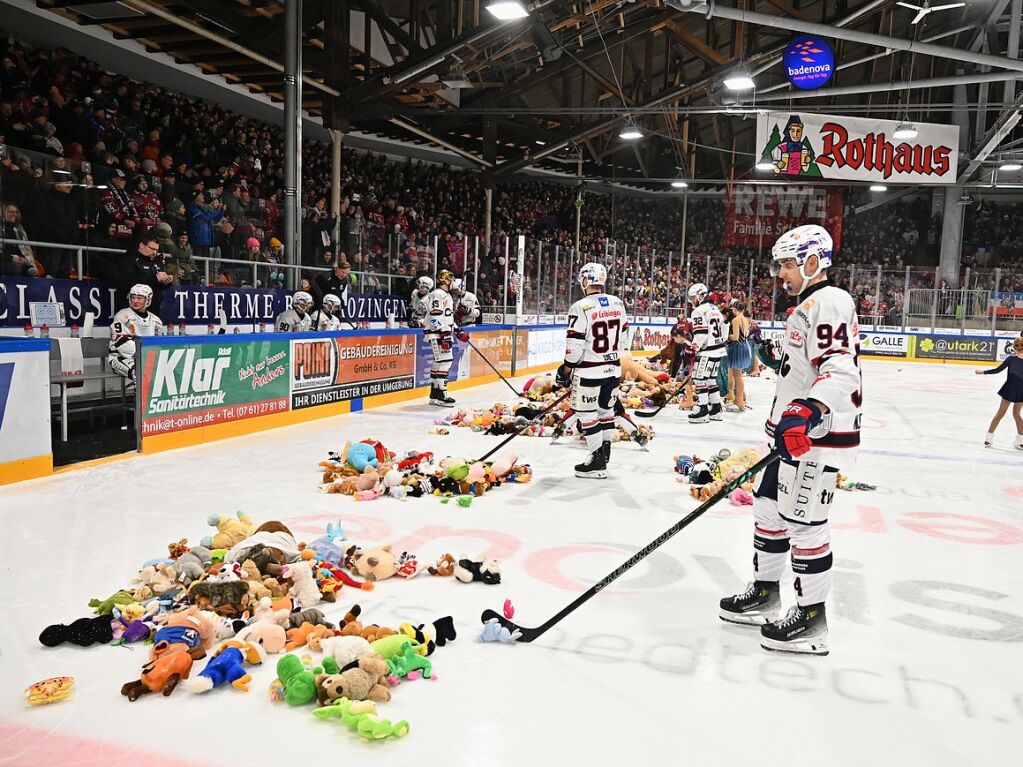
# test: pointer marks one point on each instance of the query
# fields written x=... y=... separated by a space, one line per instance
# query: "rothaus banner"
x=809 y=146
x=757 y=216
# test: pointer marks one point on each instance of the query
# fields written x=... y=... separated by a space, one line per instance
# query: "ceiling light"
x=739 y=79
x=878 y=188
x=538 y=142
x=764 y=165
x=905 y=130
x=679 y=184
x=1009 y=167
x=456 y=78
x=507 y=10
x=630 y=132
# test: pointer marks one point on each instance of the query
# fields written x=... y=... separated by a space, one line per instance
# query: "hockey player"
x=709 y=341
x=418 y=309
x=467 y=307
x=296 y=319
x=596 y=325
x=815 y=424
x=129 y=324
x=440 y=325
x=325 y=318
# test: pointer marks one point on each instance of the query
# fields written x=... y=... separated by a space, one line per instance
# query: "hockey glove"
x=461 y=335
x=564 y=376
x=792 y=434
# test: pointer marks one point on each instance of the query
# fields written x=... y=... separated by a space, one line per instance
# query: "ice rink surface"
x=926 y=613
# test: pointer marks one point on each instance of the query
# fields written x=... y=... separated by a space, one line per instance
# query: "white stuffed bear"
x=303 y=585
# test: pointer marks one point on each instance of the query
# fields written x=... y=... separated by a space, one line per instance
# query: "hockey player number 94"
x=601 y=335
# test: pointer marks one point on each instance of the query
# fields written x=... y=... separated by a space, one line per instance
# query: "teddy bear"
x=444 y=566
x=479 y=569
x=270 y=636
x=229 y=531
x=154 y=581
x=303 y=585
x=368 y=479
x=250 y=573
x=365 y=681
x=375 y=564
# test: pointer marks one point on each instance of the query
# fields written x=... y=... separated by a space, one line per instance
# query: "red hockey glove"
x=792 y=434
x=461 y=335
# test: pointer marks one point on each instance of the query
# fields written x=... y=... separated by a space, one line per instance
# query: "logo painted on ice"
x=178 y=371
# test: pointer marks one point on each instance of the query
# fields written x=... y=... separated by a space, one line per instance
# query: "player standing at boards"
x=815 y=423
x=296 y=319
x=418 y=309
x=326 y=316
x=440 y=325
x=710 y=343
x=596 y=324
x=467 y=309
x=128 y=325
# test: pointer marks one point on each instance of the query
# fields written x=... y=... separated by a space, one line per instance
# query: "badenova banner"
x=205 y=382
x=807 y=146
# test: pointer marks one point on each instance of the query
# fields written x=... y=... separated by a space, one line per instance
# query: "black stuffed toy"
x=82 y=632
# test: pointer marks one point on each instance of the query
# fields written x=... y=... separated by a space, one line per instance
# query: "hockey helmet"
x=424 y=285
x=331 y=303
x=444 y=278
x=697 y=293
x=302 y=300
x=592 y=274
x=143 y=292
x=801 y=244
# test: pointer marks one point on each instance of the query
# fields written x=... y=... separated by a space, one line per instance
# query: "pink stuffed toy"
x=740 y=497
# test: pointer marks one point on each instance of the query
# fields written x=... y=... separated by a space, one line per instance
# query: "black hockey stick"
x=529 y=634
x=542 y=413
x=491 y=366
x=668 y=401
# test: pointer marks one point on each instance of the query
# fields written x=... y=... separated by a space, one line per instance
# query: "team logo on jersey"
x=795 y=337
x=602 y=300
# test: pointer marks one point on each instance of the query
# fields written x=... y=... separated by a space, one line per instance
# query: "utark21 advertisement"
x=201 y=383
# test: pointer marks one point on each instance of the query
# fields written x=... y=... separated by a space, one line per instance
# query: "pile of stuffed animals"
x=707 y=476
x=250 y=592
x=367 y=470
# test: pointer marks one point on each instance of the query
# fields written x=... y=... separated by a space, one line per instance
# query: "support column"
x=952 y=212
x=578 y=199
x=336 y=142
x=292 y=136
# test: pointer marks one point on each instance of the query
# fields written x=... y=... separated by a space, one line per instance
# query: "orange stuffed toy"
x=298 y=637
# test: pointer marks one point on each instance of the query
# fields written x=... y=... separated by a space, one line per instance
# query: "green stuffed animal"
x=389 y=646
x=361 y=716
x=408 y=660
x=300 y=682
x=106 y=607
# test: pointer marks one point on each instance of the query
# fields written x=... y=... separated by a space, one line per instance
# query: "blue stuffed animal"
x=227 y=666
x=360 y=455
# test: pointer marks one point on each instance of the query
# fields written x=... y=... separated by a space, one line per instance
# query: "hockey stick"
x=542 y=413
x=515 y=391
x=529 y=634
x=668 y=401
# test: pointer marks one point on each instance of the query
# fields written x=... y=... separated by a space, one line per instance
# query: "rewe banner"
x=807 y=146
x=757 y=216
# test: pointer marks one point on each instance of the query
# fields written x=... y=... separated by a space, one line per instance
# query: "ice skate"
x=1018 y=444
x=700 y=415
x=595 y=467
x=715 y=411
x=605 y=450
x=803 y=630
x=989 y=439
x=760 y=603
x=440 y=398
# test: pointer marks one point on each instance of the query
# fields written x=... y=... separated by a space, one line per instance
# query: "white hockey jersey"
x=442 y=316
x=418 y=309
x=821 y=361
x=710 y=335
x=289 y=321
x=126 y=327
x=325 y=321
x=597 y=329
x=467 y=310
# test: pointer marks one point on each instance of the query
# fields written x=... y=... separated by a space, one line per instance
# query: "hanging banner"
x=757 y=216
x=809 y=62
x=808 y=146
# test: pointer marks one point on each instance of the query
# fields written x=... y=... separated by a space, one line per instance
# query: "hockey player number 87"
x=601 y=340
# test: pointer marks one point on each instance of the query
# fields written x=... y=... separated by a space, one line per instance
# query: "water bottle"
x=181 y=330
x=29 y=330
x=209 y=329
x=74 y=331
x=262 y=326
x=44 y=331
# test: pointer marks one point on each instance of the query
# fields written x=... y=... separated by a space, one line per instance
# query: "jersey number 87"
x=601 y=335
